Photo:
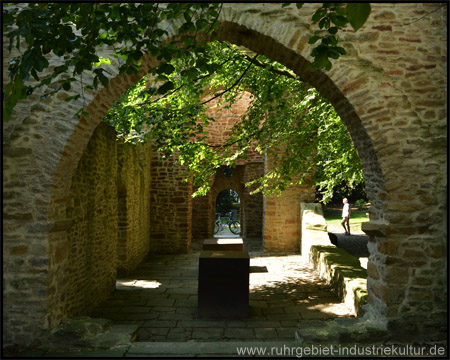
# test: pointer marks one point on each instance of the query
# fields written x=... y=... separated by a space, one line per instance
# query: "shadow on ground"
x=161 y=299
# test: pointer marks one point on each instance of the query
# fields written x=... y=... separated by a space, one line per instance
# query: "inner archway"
x=228 y=213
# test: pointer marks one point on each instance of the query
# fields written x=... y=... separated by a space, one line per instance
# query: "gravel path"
x=355 y=244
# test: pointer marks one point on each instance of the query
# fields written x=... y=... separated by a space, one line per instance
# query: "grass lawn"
x=334 y=218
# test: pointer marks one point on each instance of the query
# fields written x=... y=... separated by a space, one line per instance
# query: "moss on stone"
x=344 y=272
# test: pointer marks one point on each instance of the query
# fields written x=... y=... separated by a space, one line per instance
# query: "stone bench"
x=223 y=284
x=230 y=244
x=344 y=272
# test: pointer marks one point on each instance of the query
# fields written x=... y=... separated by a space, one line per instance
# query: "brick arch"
x=258 y=42
x=235 y=182
x=236 y=186
x=228 y=188
x=390 y=91
x=241 y=203
x=265 y=45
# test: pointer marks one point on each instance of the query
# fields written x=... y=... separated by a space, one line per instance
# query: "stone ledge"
x=344 y=272
x=314 y=226
x=312 y=217
x=341 y=331
x=383 y=229
x=90 y=333
x=374 y=228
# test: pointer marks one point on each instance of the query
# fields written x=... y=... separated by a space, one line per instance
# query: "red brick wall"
x=251 y=205
x=224 y=121
x=253 y=210
x=202 y=217
x=170 y=208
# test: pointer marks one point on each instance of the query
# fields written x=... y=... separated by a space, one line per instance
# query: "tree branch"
x=232 y=86
x=275 y=71
x=412 y=22
x=180 y=87
x=215 y=20
x=235 y=141
x=264 y=66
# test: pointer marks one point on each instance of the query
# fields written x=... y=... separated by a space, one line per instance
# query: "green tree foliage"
x=332 y=17
x=286 y=119
x=74 y=32
x=284 y=110
x=226 y=201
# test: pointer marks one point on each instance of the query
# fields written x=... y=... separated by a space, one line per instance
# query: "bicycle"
x=233 y=225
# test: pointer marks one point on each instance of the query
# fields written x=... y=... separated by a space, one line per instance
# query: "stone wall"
x=202 y=217
x=88 y=275
x=254 y=203
x=390 y=91
x=282 y=220
x=107 y=223
x=282 y=215
x=225 y=118
x=134 y=205
x=170 y=207
x=246 y=170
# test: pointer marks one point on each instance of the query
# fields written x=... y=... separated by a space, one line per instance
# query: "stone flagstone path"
x=161 y=297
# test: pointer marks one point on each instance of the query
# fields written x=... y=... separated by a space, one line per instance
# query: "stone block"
x=344 y=273
x=223 y=284
x=341 y=331
x=90 y=332
x=232 y=244
x=312 y=216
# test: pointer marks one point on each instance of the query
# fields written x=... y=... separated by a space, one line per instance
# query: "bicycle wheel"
x=216 y=227
x=235 y=227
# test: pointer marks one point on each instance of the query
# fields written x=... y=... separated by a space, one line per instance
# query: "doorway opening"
x=227 y=214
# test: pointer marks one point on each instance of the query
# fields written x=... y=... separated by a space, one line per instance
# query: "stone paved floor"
x=161 y=297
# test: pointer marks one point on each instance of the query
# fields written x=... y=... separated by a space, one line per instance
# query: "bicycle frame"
x=233 y=225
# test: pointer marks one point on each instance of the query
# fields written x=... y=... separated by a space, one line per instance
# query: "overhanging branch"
x=232 y=86
x=275 y=71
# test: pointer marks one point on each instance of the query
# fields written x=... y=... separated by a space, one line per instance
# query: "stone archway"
x=231 y=213
x=236 y=183
x=390 y=91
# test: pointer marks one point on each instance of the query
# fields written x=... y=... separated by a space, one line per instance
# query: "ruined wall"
x=282 y=213
x=89 y=275
x=133 y=205
x=254 y=203
x=390 y=91
x=202 y=216
x=170 y=208
x=282 y=220
x=107 y=220
x=251 y=205
x=225 y=118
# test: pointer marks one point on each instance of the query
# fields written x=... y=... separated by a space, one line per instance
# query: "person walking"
x=346 y=216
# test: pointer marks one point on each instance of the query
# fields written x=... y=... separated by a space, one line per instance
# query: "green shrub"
x=360 y=204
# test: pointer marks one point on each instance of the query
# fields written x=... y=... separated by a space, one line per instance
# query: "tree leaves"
x=338 y=15
x=179 y=120
x=166 y=87
x=17 y=92
x=132 y=28
x=357 y=14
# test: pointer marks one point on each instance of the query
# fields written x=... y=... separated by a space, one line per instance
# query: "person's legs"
x=348 y=224
x=344 y=220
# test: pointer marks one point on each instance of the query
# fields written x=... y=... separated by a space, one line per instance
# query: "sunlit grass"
x=357 y=217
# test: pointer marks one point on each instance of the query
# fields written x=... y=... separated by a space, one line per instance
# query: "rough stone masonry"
x=391 y=92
